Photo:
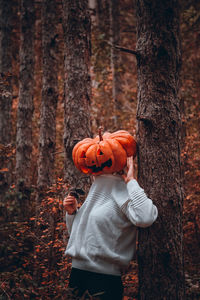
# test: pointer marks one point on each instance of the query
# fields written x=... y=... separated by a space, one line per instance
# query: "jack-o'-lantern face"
x=104 y=154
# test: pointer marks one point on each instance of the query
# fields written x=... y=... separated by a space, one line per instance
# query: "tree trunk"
x=47 y=140
x=160 y=256
x=25 y=106
x=77 y=90
x=103 y=20
x=5 y=71
x=116 y=59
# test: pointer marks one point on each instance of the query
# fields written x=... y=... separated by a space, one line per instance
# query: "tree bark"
x=160 y=255
x=5 y=71
x=103 y=20
x=116 y=58
x=47 y=140
x=26 y=84
x=77 y=90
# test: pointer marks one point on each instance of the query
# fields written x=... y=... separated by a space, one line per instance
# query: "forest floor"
x=192 y=281
x=15 y=284
x=23 y=253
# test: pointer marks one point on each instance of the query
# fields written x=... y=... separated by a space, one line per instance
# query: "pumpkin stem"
x=100 y=133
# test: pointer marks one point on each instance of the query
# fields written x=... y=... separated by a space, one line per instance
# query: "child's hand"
x=129 y=170
x=70 y=204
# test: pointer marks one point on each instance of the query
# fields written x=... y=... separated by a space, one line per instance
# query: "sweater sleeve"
x=69 y=221
x=139 y=209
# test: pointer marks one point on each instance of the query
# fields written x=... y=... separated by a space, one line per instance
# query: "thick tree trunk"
x=25 y=106
x=47 y=140
x=116 y=58
x=5 y=71
x=77 y=91
x=160 y=256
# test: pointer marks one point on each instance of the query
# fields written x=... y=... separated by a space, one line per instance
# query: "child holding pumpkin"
x=103 y=231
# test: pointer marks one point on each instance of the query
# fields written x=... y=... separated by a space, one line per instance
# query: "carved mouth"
x=96 y=169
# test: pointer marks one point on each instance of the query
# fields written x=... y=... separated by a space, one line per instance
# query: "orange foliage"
x=32 y=259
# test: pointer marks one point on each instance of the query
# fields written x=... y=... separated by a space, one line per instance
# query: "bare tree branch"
x=123 y=49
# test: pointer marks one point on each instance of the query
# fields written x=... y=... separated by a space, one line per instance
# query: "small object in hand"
x=121 y=172
x=76 y=192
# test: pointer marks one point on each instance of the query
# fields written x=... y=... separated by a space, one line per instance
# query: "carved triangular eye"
x=83 y=154
x=99 y=152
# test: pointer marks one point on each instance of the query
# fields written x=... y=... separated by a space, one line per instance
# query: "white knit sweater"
x=103 y=231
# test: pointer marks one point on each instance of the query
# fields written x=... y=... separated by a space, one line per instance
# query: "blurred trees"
x=47 y=139
x=26 y=88
x=190 y=33
x=6 y=88
x=115 y=58
x=18 y=258
x=125 y=68
x=5 y=71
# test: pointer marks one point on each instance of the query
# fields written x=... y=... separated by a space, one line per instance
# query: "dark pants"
x=109 y=286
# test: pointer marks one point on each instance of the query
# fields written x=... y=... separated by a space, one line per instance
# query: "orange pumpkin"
x=104 y=154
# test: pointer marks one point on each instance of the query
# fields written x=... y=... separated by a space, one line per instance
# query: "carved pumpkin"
x=104 y=154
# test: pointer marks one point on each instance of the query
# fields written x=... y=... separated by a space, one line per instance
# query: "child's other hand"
x=129 y=170
x=70 y=204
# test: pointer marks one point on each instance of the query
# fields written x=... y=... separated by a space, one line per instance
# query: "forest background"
x=32 y=229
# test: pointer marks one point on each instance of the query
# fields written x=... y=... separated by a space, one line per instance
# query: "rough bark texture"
x=5 y=71
x=160 y=256
x=115 y=58
x=47 y=140
x=25 y=106
x=76 y=25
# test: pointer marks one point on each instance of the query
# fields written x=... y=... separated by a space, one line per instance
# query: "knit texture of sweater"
x=103 y=231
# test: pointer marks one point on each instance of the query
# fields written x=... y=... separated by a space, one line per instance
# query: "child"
x=103 y=232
